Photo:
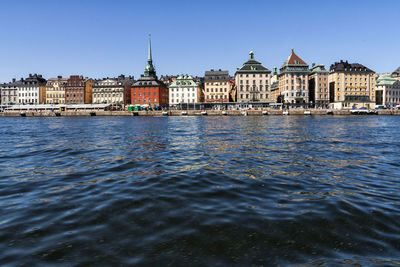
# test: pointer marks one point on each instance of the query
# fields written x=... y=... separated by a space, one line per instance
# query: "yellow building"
x=216 y=86
x=55 y=90
x=351 y=86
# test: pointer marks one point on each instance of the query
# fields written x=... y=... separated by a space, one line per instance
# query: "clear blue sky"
x=108 y=38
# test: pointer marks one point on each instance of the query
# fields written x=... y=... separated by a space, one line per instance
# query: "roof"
x=345 y=66
x=184 y=80
x=385 y=80
x=396 y=73
x=294 y=59
x=216 y=75
x=318 y=68
x=148 y=81
x=252 y=66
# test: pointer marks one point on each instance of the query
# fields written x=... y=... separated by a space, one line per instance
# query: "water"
x=226 y=191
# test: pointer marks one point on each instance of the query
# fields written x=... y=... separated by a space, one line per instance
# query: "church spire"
x=149 y=58
x=149 y=70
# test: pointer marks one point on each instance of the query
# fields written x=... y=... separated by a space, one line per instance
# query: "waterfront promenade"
x=264 y=112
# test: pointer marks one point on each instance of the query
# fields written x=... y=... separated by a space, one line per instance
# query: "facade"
x=351 y=86
x=89 y=90
x=55 y=90
x=293 y=81
x=253 y=81
x=31 y=90
x=396 y=74
x=274 y=91
x=184 y=91
x=216 y=86
x=387 y=91
x=9 y=92
x=318 y=86
x=75 y=90
x=108 y=91
x=148 y=90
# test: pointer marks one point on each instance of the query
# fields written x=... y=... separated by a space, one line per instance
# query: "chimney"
x=13 y=80
x=59 y=77
x=313 y=64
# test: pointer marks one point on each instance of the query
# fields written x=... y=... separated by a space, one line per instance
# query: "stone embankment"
x=264 y=112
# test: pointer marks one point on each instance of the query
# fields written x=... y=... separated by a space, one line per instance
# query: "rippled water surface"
x=180 y=191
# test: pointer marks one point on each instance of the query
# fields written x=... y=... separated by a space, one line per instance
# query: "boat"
x=329 y=112
x=165 y=113
x=244 y=113
x=184 y=113
x=265 y=112
x=204 y=113
x=22 y=114
x=307 y=112
x=285 y=113
x=224 y=113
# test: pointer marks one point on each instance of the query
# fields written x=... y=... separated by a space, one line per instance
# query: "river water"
x=200 y=191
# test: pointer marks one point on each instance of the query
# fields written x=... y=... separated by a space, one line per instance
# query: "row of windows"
x=297 y=94
x=143 y=88
x=145 y=100
x=22 y=101
x=254 y=81
x=60 y=101
x=144 y=94
x=182 y=95
x=27 y=94
x=254 y=75
x=182 y=89
x=217 y=97
x=28 y=88
x=216 y=83
x=261 y=87
x=216 y=90
x=100 y=90
x=299 y=87
x=182 y=101
x=247 y=96
x=107 y=95
x=55 y=95
x=74 y=95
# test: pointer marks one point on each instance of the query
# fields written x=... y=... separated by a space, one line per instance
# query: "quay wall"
x=298 y=112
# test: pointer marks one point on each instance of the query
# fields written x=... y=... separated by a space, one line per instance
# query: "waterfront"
x=269 y=190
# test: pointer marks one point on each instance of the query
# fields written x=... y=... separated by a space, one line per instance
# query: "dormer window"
x=296 y=62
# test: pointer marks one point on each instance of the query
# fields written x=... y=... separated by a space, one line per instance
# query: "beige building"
x=387 y=91
x=55 y=90
x=253 y=82
x=351 y=86
x=318 y=86
x=216 y=86
x=108 y=91
x=293 y=81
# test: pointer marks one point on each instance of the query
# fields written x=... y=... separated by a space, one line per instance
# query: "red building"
x=148 y=90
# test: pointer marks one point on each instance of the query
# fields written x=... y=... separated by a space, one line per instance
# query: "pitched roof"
x=396 y=72
x=253 y=65
x=386 y=80
x=294 y=59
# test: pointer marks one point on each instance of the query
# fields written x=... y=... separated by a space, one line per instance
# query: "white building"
x=32 y=90
x=9 y=92
x=387 y=91
x=184 y=91
x=253 y=81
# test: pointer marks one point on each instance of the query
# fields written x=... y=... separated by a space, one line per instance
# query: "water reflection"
x=204 y=190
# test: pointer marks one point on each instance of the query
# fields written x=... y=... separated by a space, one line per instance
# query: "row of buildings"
x=344 y=85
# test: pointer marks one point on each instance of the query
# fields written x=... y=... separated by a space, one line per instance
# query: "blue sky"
x=108 y=38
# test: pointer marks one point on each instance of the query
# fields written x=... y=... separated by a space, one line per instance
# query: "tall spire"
x=150 y=59
x=149 y=70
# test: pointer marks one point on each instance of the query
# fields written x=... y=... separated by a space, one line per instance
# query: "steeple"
x=149 y=70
